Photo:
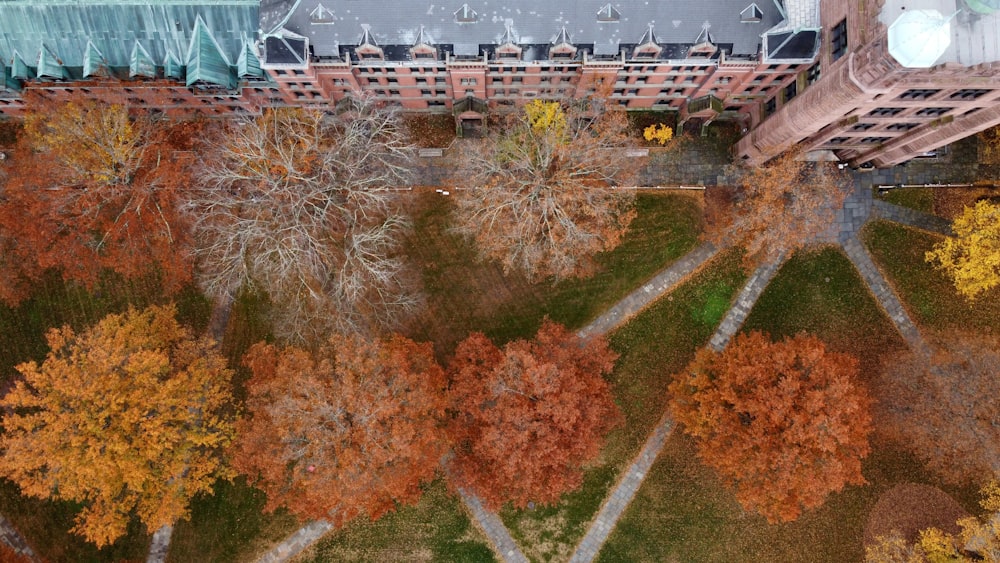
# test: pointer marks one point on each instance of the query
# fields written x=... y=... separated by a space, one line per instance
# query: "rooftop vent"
x=608 y=14
x=751 y=14
x=465 y=14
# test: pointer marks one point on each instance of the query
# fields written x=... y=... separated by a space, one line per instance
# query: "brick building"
x=818 y=73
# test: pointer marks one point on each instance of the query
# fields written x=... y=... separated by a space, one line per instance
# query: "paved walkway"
x=738 y=312
x=493 y=527
x=10 y=536
x=160 y=545
x=298 y=542
x=659 y=285
x=912 y=218
x=619 y=499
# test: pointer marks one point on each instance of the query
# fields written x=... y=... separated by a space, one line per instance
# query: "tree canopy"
x=971 y=258
x=352 y=428
x=542 y=198
x=300 y=206
x=783 y=423
x=782 y=206
x=94 y=188
x=527 y=417
x=128 y=417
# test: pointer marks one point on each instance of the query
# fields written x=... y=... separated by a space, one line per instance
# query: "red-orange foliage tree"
x=945 y=410
x=527 y=417
x=93 y=188
x=783 y=423
x=351 y=429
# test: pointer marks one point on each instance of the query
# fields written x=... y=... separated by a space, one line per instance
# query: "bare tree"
x=300 y=205
x=542 y=200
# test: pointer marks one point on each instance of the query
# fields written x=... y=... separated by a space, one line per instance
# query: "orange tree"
x=541 y=199
x=782 y=206
x=783 y=423
x=351 y=428
x=526 y=417
x=95 y=188
x=127 y=417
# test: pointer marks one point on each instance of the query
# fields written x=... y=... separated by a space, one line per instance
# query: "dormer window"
x=562 y=46
x=321 y=15
x=608 y=14
x=423 y=48
x=368 y=49
x=508 y=47
x=648 y=47
x=465 y=14
x=751 y=14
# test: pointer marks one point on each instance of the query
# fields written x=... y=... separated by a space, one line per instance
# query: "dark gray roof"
x=330 y=24
x=64 y=27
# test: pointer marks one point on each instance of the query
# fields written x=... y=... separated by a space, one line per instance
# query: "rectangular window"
x=932 y=112
x=968 y=94
x=468 y=82
x=770 y=106
x=791 y=91
x=917 y=94
x=838 y=140
x=838 y=40
x=862 y=126
x=885 y=112
x=874 y=140
x=812 y=75
x=901 y=126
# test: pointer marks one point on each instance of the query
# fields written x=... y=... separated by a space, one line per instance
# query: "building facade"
x=815 y=73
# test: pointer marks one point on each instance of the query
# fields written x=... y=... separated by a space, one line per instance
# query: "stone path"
x=912 y=218
x=297 y=542
x=10 y=536
x=883 y=293
x=736 y=314
x=661 y=283
x=614 y=506
x=493 y=527
x=160 y=545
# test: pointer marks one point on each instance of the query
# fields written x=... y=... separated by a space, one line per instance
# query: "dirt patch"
x=8 y=132
x=949 y=202
x=430 y=130
x=909 y=508
x=543 y=538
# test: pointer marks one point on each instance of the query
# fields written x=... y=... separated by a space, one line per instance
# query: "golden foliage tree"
x=541 y=200
x=978 y=541
x=944 y=409
x=301 y=206
x=528 y=416
x=784 y=424
x=96 y=188
x=658 y=133
x=782 y=206
x=971 y=258
x=352 y=428
x=127 y=417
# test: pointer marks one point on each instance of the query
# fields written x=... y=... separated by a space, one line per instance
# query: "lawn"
x=921 y=199
x=465 y=294
x=682 y=513
x=653 y=345
x=927 y=293
x=435 y=529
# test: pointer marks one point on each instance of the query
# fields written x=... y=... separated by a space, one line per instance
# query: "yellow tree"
x=127 y=417
x=971 y=258
x=542 y=198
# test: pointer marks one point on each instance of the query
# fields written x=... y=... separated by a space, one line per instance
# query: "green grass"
x=921 y=199
x=465 y=295
x=434 y=529
x=820 y=292
x=229 y=525
x=653 y=345
x=683 y=513
x=927 y=293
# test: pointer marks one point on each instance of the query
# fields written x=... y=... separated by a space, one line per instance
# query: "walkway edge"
x=160 y=545
x=745 y=301
x=493 y=528
x=298 y=542
x=660 y=284
x=13 y=539
x=912 y=218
